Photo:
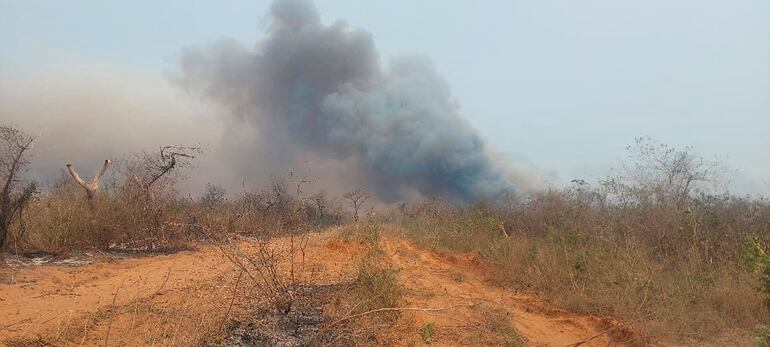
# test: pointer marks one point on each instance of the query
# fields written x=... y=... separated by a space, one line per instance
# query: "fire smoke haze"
x=322 y=90
x=309 y=98
x=566 y=86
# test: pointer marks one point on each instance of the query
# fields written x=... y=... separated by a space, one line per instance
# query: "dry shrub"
x=261 y=261
x=652 y=245
x=274 y=210
x=650 y=269
x=64 y=219
x=366 y=232
x=498 y=322
x=126 y=214
x=376 y=285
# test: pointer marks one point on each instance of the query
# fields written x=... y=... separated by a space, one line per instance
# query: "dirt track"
x=182 y=298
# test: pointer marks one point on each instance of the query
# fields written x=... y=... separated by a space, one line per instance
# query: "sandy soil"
x=436 y=280
x=187 y=297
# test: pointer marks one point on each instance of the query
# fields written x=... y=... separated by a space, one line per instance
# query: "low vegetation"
x=375 y=285
x=130 y=216
x=656 y=248
x=656 y=244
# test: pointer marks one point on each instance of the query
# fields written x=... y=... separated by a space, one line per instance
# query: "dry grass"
x=61 y=219
x=498 y=322
x=645 y=248
x=375 y=285
x=373 y=300
x=676 y=275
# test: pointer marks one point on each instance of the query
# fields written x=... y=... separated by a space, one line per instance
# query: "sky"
x=562 y=86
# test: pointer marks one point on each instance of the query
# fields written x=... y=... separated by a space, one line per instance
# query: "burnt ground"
x=297 y=327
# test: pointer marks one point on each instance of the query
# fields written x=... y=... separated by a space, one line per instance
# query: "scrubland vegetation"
x=655 y=244
x=128 y=214
x=652 y=246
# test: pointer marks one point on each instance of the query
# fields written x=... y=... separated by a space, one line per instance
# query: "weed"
x=376 y=284
x=426 y=333
x=367 y=232
x=762 y=336
x=496 y=320
x=759 y=262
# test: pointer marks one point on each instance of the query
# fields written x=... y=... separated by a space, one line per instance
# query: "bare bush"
x=357 y=198
x=15 y=194
x=260 y=261
x=660 y=174
x=119 y=216
x=323 y=210
x=149 y=168
x=651 y=246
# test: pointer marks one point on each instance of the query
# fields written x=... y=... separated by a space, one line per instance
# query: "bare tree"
x=91 y=187
x=275 y=197
x=357 y=199
x=152 y=167
x=321 y=203
x=14 y=147
x=661 y=174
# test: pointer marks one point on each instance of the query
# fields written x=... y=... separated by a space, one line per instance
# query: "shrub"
x=678 y=275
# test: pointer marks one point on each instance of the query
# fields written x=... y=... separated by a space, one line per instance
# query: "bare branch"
x=357 y=198
x=14 y=147
x=150 y=168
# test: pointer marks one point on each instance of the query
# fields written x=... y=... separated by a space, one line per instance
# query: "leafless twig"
x=109 y=326
x=387 y=309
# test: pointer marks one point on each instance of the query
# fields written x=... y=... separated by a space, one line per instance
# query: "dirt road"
x=185 y=298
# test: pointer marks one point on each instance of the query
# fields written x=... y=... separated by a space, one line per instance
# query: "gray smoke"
x=320 y=89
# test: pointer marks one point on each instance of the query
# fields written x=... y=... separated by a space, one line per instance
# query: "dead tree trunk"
x=91 y=187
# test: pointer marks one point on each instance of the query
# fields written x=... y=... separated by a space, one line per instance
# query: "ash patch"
x=79 y=258
x=148 y=247
x=45 y=258
x=287 y=329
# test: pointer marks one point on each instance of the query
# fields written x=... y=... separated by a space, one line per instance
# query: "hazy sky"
x=564 y=85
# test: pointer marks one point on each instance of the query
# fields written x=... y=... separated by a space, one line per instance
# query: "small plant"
x=759 y=262
x=496 y=320
x=426 y=333
x=368 y=233
x=377 y=284
x=762 y=336
x=371 y=232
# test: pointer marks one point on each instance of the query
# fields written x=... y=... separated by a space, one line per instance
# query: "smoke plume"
x=310 y=89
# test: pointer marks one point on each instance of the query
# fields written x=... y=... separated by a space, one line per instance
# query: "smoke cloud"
x=315 y=90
